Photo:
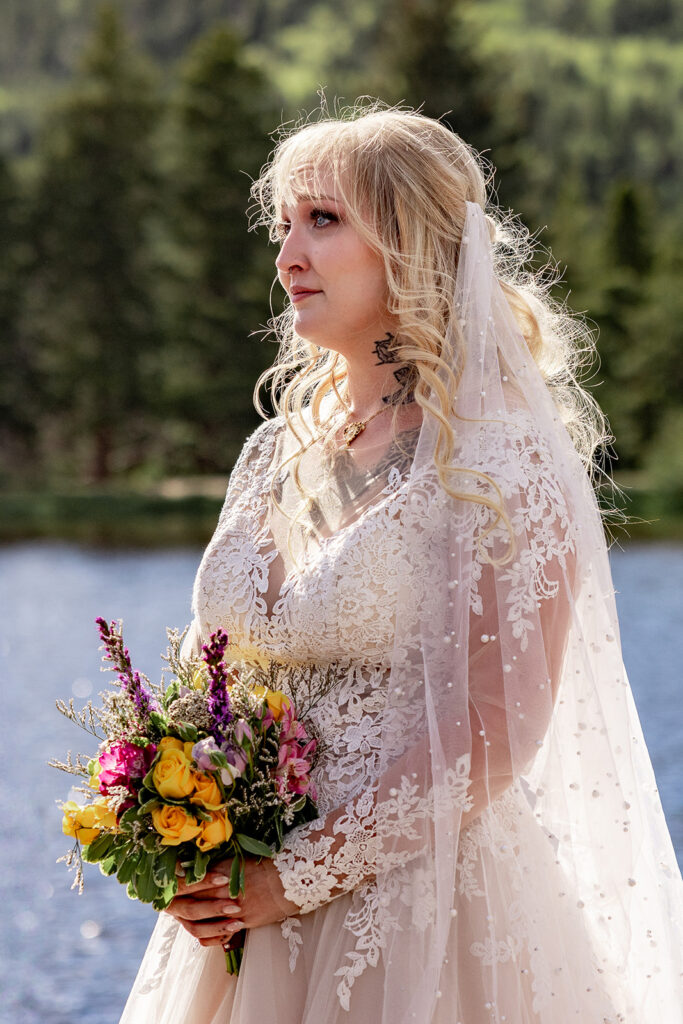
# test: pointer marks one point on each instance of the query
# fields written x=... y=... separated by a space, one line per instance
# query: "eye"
x=321 y=218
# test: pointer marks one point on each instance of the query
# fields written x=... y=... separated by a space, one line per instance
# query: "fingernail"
x=236 y=926
x=219 y=880
x=230 y=908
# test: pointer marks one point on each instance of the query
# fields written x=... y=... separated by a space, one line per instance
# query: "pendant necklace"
x=352 y=430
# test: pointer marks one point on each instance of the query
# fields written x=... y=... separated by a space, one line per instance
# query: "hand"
x=207 y=911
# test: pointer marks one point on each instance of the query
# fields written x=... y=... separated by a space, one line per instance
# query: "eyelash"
x=282 y=227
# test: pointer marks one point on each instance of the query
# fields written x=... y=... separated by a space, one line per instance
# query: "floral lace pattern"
x=322 y=613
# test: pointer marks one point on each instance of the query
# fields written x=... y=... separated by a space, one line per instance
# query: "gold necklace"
x=352 y=430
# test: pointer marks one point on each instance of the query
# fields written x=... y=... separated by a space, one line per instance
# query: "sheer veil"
x=500 y=853
x=550 y=879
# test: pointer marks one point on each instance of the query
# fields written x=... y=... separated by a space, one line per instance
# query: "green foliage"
x=129 y=284
x=91 y=304
x=218 y=283
x=19 y=390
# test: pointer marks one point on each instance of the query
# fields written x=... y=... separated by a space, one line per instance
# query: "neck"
x=374 y=377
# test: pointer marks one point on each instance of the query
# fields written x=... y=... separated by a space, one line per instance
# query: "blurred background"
x=132 y=301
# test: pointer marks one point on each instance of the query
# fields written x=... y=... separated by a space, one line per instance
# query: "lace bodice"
x=341 y=600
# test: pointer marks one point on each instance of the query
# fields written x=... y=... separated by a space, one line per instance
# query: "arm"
x=519 y=619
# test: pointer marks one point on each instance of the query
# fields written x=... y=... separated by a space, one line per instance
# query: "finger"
x=188 y=909
x=209 y=882
x=219 y=929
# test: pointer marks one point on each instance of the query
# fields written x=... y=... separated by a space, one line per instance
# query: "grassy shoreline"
x=125 y=519
x=133 y=519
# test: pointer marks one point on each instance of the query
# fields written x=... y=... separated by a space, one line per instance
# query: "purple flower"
x=201 y=752
x=242 y=733
x=219 y=698
x=119 y=656
x=236 y=764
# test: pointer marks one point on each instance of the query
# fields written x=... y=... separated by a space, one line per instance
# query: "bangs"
x=310 y=164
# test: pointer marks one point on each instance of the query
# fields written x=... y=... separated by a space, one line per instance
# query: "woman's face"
x=335 y=281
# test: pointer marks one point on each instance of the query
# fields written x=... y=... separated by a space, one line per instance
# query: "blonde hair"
x=404 y=180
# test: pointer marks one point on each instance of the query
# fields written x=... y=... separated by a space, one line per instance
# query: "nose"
x=291 y=256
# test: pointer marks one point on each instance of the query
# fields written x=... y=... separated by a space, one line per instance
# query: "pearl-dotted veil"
x=529 y=871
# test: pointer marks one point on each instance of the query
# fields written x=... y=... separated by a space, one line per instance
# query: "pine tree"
x=220 y=288
x=19 y=384
x=92 y=308
x=631 y=359
x=433 y=58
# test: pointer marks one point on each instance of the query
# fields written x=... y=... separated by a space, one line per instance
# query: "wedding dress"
x=490 y=845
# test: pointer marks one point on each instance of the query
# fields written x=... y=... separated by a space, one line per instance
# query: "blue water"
x=66 y=958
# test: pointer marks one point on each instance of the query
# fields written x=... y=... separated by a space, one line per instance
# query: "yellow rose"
x=276 y=700
x=172 y=775
x=175 y=824
x=170 y=743
x=85 y=821
x=207 y=792
x=214 y=832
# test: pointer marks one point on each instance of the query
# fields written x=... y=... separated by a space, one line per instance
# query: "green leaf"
x=187 y=732
x=235 y=874
x=218 y=758
x=108 y=865
x=254 y=846
x=167 y=894
x=159 y=722
x=149 y=805
x=201 y=863
x=129 y=817
x=151 y=843
x=145 y=885
x=148 y=781
x=121 y=851
x=164 y=866
x=98 y=848
x=128 y=866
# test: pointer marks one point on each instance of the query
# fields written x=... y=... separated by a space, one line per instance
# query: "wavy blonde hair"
x=404 y=180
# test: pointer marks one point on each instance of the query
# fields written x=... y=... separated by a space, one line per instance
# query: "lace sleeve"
x=519 y=615
x=257 y=449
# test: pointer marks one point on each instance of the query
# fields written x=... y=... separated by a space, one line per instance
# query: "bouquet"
x=215 y=764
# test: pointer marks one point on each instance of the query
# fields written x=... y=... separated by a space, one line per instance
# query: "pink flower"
x=292 y=774
x=242 y=732
x=291 y=729
x=123 y=762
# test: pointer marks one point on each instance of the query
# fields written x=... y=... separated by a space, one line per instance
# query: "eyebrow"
x=307 y=198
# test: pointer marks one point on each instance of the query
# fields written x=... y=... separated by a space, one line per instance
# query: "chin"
x=318 y=337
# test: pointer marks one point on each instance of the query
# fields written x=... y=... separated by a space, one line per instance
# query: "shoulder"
x=259 y=444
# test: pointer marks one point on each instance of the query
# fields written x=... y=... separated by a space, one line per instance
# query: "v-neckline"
x=271 y=615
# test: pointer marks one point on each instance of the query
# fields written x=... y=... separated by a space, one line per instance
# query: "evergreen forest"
x=133 y=297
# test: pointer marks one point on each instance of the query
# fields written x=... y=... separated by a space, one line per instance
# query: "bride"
x=419 y=515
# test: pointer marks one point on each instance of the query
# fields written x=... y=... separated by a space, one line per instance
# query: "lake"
x=67 y=958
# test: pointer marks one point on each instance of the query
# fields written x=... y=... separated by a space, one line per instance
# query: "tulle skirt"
x=523 y=954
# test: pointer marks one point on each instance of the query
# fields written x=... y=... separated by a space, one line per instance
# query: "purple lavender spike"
x=219 y=698
x=119 y=656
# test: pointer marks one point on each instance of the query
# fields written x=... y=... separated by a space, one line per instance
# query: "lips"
x=298 y=293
